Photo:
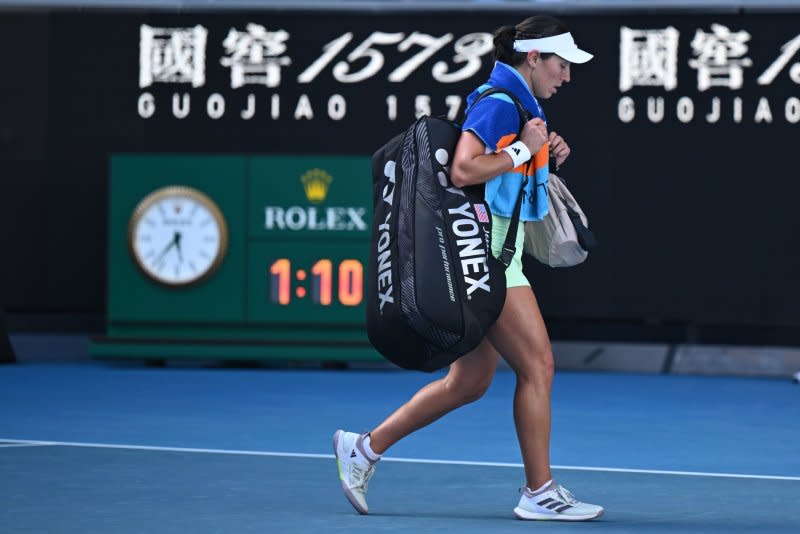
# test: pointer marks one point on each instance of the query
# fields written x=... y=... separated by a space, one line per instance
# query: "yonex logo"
x=384 y=253
x=470 y=249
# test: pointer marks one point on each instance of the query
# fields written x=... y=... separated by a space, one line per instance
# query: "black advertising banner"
x=683 y=131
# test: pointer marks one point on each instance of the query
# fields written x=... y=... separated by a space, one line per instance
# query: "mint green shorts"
x=514 y=276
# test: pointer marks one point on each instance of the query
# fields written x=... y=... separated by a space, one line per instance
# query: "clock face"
x=177 y=236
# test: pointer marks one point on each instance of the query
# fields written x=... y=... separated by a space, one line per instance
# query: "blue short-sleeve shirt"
x=495 y=120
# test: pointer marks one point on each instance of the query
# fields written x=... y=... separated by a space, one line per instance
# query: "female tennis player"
x=533 y=61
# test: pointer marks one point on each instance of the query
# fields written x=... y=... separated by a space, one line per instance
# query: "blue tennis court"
x=95 y=447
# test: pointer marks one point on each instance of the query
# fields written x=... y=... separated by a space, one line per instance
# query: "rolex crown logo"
x=315 y=183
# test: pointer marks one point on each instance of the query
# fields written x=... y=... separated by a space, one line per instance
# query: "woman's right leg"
x=467 y=380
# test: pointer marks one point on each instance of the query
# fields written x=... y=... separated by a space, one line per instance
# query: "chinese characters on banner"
x=256 y=57
x=649 y=58
x=172 y=55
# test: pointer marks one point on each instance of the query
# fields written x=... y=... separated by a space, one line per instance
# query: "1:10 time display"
x=349 y=278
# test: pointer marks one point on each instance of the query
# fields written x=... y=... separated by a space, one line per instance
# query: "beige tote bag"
x=562 y=238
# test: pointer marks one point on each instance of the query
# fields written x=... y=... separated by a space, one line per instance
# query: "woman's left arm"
x=558 y=148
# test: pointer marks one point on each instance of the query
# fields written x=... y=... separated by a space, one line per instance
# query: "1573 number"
x=468 y=50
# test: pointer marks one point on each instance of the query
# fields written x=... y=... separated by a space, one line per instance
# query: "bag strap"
x=510 y=244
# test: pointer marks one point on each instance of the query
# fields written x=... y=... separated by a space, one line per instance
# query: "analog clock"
x=177 y=236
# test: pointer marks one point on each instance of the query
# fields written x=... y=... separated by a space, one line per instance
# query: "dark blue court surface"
x=116 y=449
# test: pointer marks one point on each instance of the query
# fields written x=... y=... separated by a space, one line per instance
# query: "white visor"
x=563 y=45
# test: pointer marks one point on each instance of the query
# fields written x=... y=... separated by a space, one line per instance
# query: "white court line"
x=23 y=444
x=237 y=452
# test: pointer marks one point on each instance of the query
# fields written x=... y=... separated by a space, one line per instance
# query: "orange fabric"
x=505 y=141
x=540 y=159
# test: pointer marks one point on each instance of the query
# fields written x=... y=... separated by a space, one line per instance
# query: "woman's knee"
x=465 y=390
x=538 y=366
x=469 y=385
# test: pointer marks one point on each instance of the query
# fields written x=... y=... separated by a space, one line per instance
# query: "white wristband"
x=519 y=153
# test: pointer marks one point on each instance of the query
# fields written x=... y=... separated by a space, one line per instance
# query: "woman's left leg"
x=520 y=336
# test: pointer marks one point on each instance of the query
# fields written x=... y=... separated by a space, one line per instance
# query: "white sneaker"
x=355 y=469
x=555 y=503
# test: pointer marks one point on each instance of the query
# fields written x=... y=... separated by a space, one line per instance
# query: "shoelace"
x=566 y=495
x=362 y=476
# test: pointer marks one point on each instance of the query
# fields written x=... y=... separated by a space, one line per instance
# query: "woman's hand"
x=558 y=148
x=534 y=135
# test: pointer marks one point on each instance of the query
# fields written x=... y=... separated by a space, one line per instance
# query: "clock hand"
x=178 y=246
x=166 y=249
